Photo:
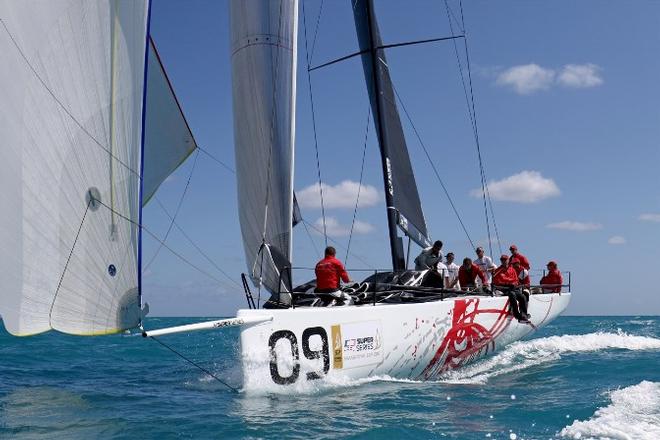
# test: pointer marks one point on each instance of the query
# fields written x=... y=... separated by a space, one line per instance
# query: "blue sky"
x=568 y=106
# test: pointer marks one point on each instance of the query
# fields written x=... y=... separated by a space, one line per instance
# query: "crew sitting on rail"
x=551 y=283
x=329 y=272
x=505 y=279
x=467 y=276
x=429 y=257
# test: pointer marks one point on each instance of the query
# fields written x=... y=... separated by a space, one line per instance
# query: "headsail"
x=168 y=139
x=263 y=56
x=400 y=186
x=71 y=101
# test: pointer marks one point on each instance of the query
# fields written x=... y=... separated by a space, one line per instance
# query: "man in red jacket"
x=467 y=276
x=505 y=275
x=552 y=282
x=506 y=279
x=517 y=256
x=329 y=271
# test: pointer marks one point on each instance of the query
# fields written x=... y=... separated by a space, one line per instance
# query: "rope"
x=311 y=239
x=176 y=212
x=316 y=142
x=66 y=265
x=435 y=170
x=227 y=167
x=357 y=200
x=195 y=364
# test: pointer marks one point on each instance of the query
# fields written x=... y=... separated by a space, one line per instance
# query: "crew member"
x=523 y=274
x=329 y=272
x=551 y=283
x=505 y=279
x=485 y=263
x=452 y=271
x=429 y=257
x=468 y=274
x=517 y=256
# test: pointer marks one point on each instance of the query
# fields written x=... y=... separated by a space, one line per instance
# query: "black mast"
x=396 y=244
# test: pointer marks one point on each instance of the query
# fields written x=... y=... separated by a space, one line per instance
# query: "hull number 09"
x=308 y=353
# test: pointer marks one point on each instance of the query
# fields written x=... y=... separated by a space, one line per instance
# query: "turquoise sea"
x=579 y=377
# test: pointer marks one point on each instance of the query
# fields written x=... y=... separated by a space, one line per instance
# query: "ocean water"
x=577 y=378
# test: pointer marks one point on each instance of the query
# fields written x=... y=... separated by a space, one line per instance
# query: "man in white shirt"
x=485 y=263
x=452 y=271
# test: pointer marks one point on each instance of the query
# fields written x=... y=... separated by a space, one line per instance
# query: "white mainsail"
x=263 y=55
x=71 y=98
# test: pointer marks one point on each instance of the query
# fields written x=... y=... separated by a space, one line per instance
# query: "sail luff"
x=147 y=44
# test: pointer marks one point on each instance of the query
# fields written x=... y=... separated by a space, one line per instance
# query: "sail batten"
x=263 y=57
x=404 y=205
x=71 y=88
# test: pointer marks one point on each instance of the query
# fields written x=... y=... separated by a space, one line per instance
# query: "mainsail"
x=72 y=92
x=403 y=204
x=263 y=56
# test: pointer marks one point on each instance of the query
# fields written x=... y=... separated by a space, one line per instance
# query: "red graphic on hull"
x=467 y=339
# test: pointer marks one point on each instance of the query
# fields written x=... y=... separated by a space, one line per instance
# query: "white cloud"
x=617 y=239
x=342 y=195
x=336 y=229
x=524 y=187
x=575 y=226
x=650 y=218
x=580 y=75
x=527 y=78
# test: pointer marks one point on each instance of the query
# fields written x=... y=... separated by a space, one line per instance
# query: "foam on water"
x=525 y=354
x=518 y=356
x=633 y=414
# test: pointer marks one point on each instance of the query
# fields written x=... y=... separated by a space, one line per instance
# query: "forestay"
x=400 y=179
x=71 y=97
x=263 y=56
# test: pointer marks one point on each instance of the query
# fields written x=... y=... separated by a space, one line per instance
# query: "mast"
x=396 y=245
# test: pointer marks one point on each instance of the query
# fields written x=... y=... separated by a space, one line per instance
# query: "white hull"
x=408 y=341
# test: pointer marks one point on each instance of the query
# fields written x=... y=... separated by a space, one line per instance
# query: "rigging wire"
x=316 y=142
x=476 y=130
x=338 y=244
x=195 y=364
x=316 y=31
x=190 y=240
x=469 y=100
x=213 y=157
x=165 y=245
x=176 y=213
x=435 y=170
x=357 y=200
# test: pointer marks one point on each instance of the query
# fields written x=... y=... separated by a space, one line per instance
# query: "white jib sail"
x=71 y=93
x=263 y=56
x=168 y=140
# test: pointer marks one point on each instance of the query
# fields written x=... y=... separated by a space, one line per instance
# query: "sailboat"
x=91 y=127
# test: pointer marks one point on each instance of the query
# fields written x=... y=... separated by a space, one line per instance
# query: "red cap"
x=552 y=263
x=513 y=247
x=504 y=257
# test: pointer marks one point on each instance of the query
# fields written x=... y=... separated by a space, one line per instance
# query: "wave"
x=633 y=414
x=521 y=355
